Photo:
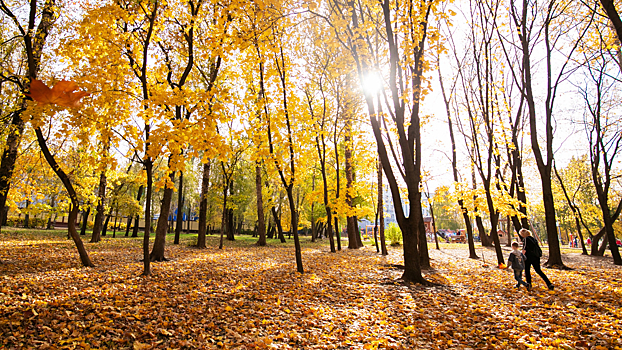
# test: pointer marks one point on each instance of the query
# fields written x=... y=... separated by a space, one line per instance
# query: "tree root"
x=159 y=260
x=558 y=267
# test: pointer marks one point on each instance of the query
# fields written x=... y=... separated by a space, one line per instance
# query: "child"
x=517 y=261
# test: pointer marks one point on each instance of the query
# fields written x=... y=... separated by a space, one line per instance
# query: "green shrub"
x=33 y=222
x=37 y=223
x=14 y=221
x=393 y=234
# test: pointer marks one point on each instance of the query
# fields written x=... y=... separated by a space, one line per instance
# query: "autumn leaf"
x=193 y=301
x=63 y=93
x=141 y=346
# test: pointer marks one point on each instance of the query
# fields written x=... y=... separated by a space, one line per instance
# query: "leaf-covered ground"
x=249 y=297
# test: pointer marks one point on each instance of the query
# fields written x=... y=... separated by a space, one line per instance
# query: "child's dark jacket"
x=517 y=261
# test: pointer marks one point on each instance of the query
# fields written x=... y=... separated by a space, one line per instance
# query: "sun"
x=371 y=83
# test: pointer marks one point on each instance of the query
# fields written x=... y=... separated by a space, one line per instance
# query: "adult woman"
x=532 y=251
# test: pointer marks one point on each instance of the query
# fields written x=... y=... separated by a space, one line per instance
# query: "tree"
x=287 y=179
x=529 y=21
x=177 y=75
x=320 y=125
x=276 y=69
x=32 y=43
x=38 y=115
x=576 y=185
x=454 y=163
x=406 y=49
x=101 y=196
x=604 y=137
x=139 y=33
x=613 y=15
x=480 y=80
x=228 y=171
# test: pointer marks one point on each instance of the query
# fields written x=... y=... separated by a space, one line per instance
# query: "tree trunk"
x=9 y=157
x=424 y=255
x=609 y=233
x=3 y=217
x=351 y=231
x=409 y=226
x=201 y=239
x=578 y=226
x=240 y=223
x=136 y=226
x=594 y=246
x=350 y=224
x=294 y=227
x=85 y=218
x=128 y=226
x=555 y=255
x=75 y=205
x=433 y=223
x=313 y=224
x=277 y=221
x=114 y=228
x=105 y=225
x=337 y=232
x=180 y=206
x=376 y=233
x=50 y=225
x=270 y=231
x=469 y=228
x=603 y=245
x=230 y=225
x=337 y=186
x=494 y=219
x=157 y=252
x=84 y=257
x=412 y=265
x=383 y=241
x=359 y=234
x=614 y=16
x=27 y=216
x=223 y=224
x=189 y=220
x=141 y=189
x=521 y=195
x=261 y=224
x=508 y=229
x=483 y=236
x=322 y=156
x=595 y=251
x=99 y=216
x=148 y=196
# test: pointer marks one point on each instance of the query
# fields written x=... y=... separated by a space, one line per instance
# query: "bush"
x=247 y=232
x=33 y=222
x=393 y=234
x=14 y=221
x=37 y=223
x=121 y=226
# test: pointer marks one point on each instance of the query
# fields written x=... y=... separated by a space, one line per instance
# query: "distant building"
x=366 y=225
x=389 y=208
